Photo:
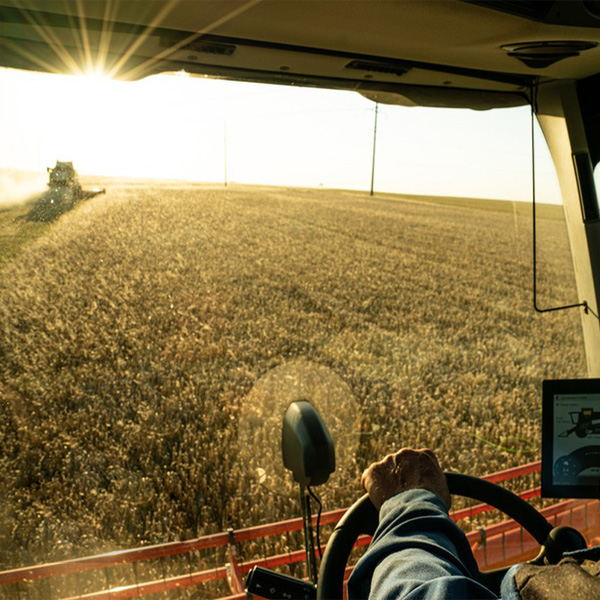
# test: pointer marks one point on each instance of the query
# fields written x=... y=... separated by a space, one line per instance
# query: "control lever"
x=275 y=586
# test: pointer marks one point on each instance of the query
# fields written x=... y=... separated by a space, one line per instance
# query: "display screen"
x=571 y=438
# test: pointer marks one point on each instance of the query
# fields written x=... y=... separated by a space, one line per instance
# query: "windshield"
x=222 y=249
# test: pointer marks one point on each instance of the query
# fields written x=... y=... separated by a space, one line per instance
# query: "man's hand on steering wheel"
x=405 y=470
x=415 y=469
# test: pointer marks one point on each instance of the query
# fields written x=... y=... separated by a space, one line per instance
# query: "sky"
x=198 y=129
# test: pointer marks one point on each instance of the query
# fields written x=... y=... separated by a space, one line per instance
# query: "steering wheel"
x=362 y=518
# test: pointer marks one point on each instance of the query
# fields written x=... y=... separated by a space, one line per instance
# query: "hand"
x=405 y=470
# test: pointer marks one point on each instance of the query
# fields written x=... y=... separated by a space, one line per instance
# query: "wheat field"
x=151 y=340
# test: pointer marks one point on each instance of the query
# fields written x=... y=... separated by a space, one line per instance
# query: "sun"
x=96 y=74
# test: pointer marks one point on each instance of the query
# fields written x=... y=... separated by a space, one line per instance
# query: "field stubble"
x=133 y=335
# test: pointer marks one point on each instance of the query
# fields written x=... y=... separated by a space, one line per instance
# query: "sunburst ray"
x=145 y=67
x=139 y=40
x=51 y=39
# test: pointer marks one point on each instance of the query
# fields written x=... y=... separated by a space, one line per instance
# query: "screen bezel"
x=550 y=388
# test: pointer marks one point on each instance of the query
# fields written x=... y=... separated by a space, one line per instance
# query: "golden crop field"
x=151 y=340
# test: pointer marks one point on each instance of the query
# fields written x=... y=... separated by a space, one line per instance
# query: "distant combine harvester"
x=64 y=192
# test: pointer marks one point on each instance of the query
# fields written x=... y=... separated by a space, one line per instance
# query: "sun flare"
x=96 y=73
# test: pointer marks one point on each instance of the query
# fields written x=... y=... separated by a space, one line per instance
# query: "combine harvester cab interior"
x=457 y=54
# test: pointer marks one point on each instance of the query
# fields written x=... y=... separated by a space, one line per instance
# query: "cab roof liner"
x=450 y=53
x=578 y=13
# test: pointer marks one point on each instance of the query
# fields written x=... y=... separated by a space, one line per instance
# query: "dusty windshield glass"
x=219 y=255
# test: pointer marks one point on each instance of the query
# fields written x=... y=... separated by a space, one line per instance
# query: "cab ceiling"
x=428 y=52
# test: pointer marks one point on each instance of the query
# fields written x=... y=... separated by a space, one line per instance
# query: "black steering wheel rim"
x=362 y=518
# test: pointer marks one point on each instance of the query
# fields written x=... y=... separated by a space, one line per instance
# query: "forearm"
x=417 y=552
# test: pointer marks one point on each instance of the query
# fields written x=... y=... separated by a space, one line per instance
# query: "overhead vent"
x=200 y=46
x=389 y=68
x=539 y=55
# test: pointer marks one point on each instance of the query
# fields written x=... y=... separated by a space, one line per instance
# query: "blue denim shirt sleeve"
x=417 y=553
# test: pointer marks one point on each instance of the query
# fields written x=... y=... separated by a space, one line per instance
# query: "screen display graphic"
x=571 y=439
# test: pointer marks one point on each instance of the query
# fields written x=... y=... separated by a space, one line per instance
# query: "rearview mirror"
x=306 y=445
